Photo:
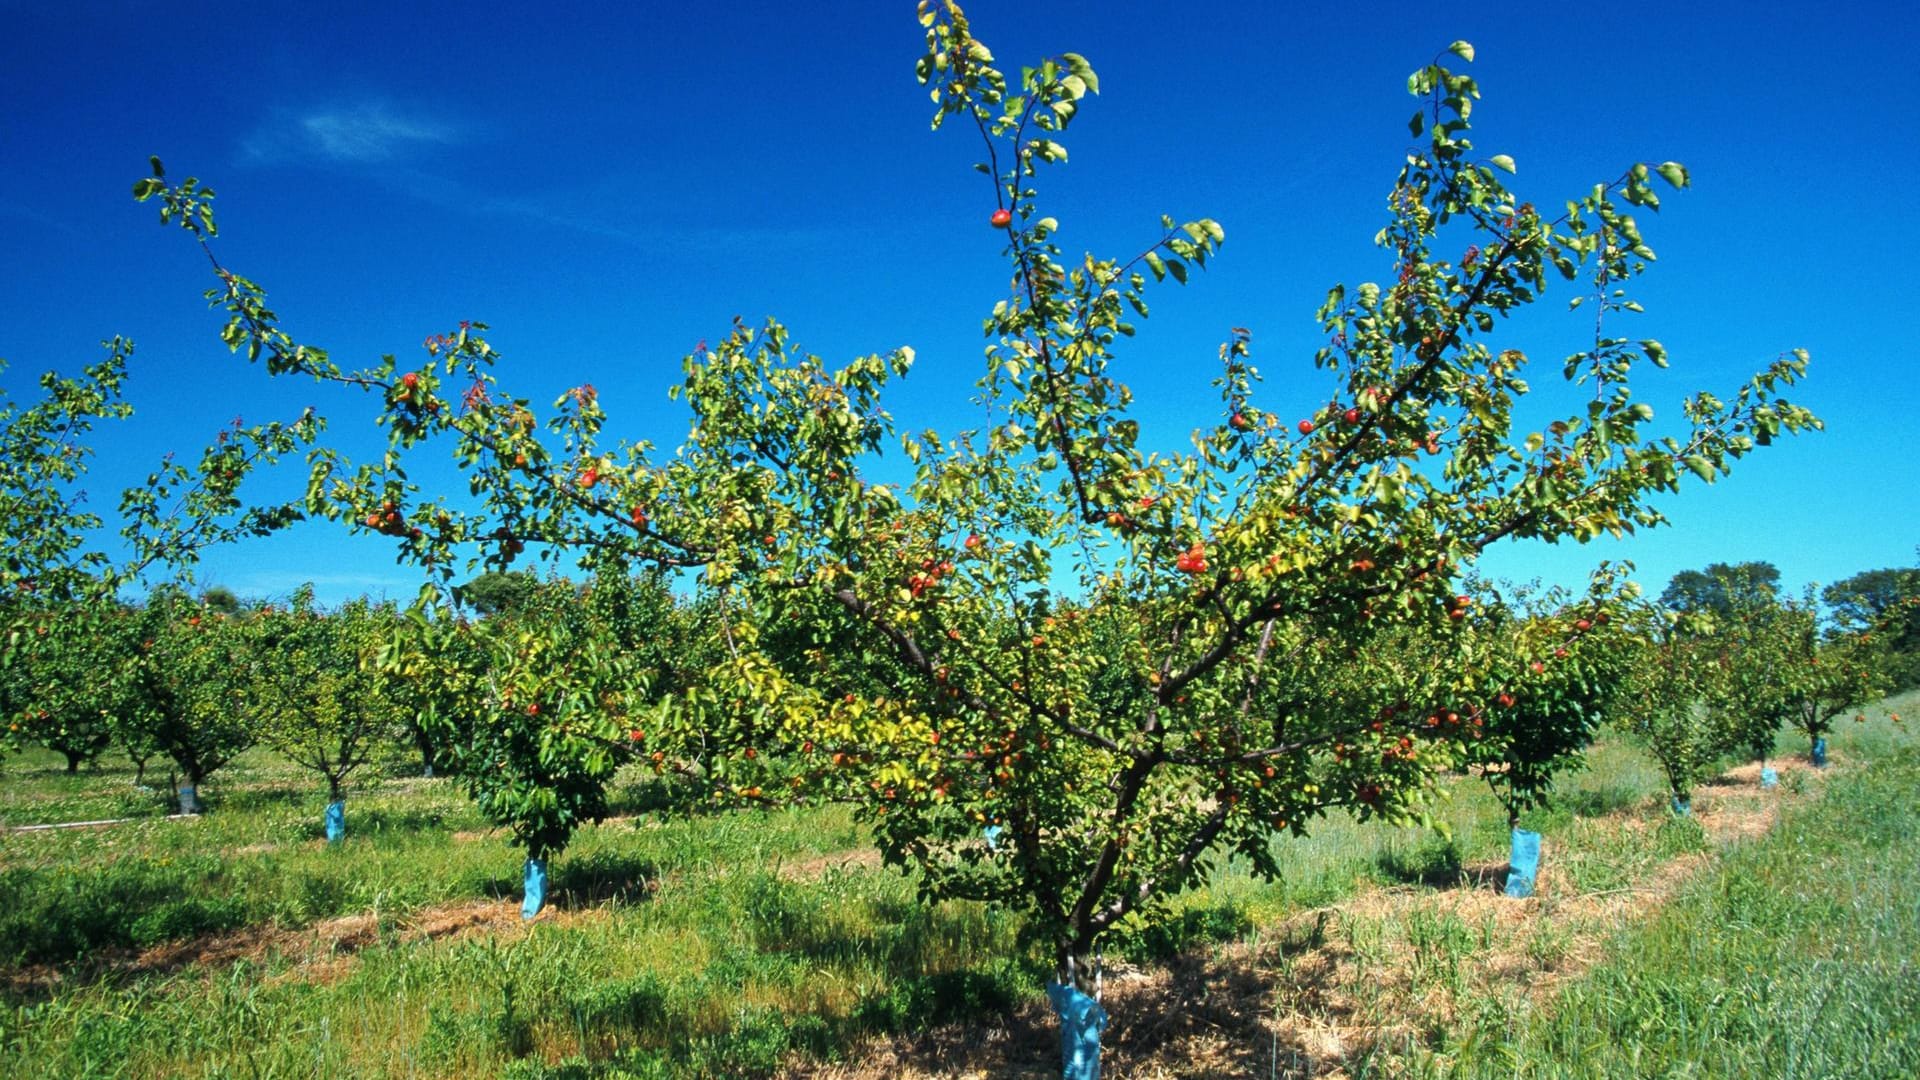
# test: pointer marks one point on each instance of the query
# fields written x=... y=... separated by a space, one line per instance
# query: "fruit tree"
x=1126 y=658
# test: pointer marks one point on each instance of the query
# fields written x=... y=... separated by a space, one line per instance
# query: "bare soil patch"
x=817 y=866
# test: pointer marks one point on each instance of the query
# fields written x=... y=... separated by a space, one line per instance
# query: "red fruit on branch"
x=1352 y=416
x=1193 y=560
x=1001 y=218
x=1306 y=427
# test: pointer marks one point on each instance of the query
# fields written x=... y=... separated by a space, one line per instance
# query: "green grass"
x=1797 y=956
x=720 y=946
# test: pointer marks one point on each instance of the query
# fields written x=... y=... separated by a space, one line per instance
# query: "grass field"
x=1772 y=935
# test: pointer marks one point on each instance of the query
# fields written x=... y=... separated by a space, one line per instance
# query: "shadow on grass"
x=1434 y=861
x=604 y=877
x=383 y=819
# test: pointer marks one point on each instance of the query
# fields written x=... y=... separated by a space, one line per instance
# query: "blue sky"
x=607 y=185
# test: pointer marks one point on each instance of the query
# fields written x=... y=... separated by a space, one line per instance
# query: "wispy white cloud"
x=392 y=147
x=363 y=133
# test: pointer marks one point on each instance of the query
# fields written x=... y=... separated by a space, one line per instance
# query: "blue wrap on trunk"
x=336 y=821
x=536 y=888
x=1081 y=1022
x=1524 y=864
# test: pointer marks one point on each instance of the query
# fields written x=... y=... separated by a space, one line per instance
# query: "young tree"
x=191 y=674
x=1749 y=650
x=1663 y=701
x=1110 y=650
x=1822 y=678
x=67 y=680
x=320 y=696
x=539 y=705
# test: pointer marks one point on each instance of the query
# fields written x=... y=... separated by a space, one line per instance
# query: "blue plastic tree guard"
x=1681 y=806
x=992 y=833
x=1769 y=776
x=536 y=888
x=1820 y=752
x=336 y=821
x=189 y=800
x=1081 y=1022
x=1524 y=864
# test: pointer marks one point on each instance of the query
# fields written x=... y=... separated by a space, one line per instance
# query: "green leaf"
x=1673 y=173
x=1079 y=66
x=1701 y=467
x=1503 y=162
x=1463 y=50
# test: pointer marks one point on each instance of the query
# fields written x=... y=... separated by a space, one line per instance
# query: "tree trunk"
x=335 y=820
x=190 y=793
x=424 y=744
x=1076 y=1002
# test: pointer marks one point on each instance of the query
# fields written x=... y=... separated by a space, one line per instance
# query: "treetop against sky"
x=608 y=189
